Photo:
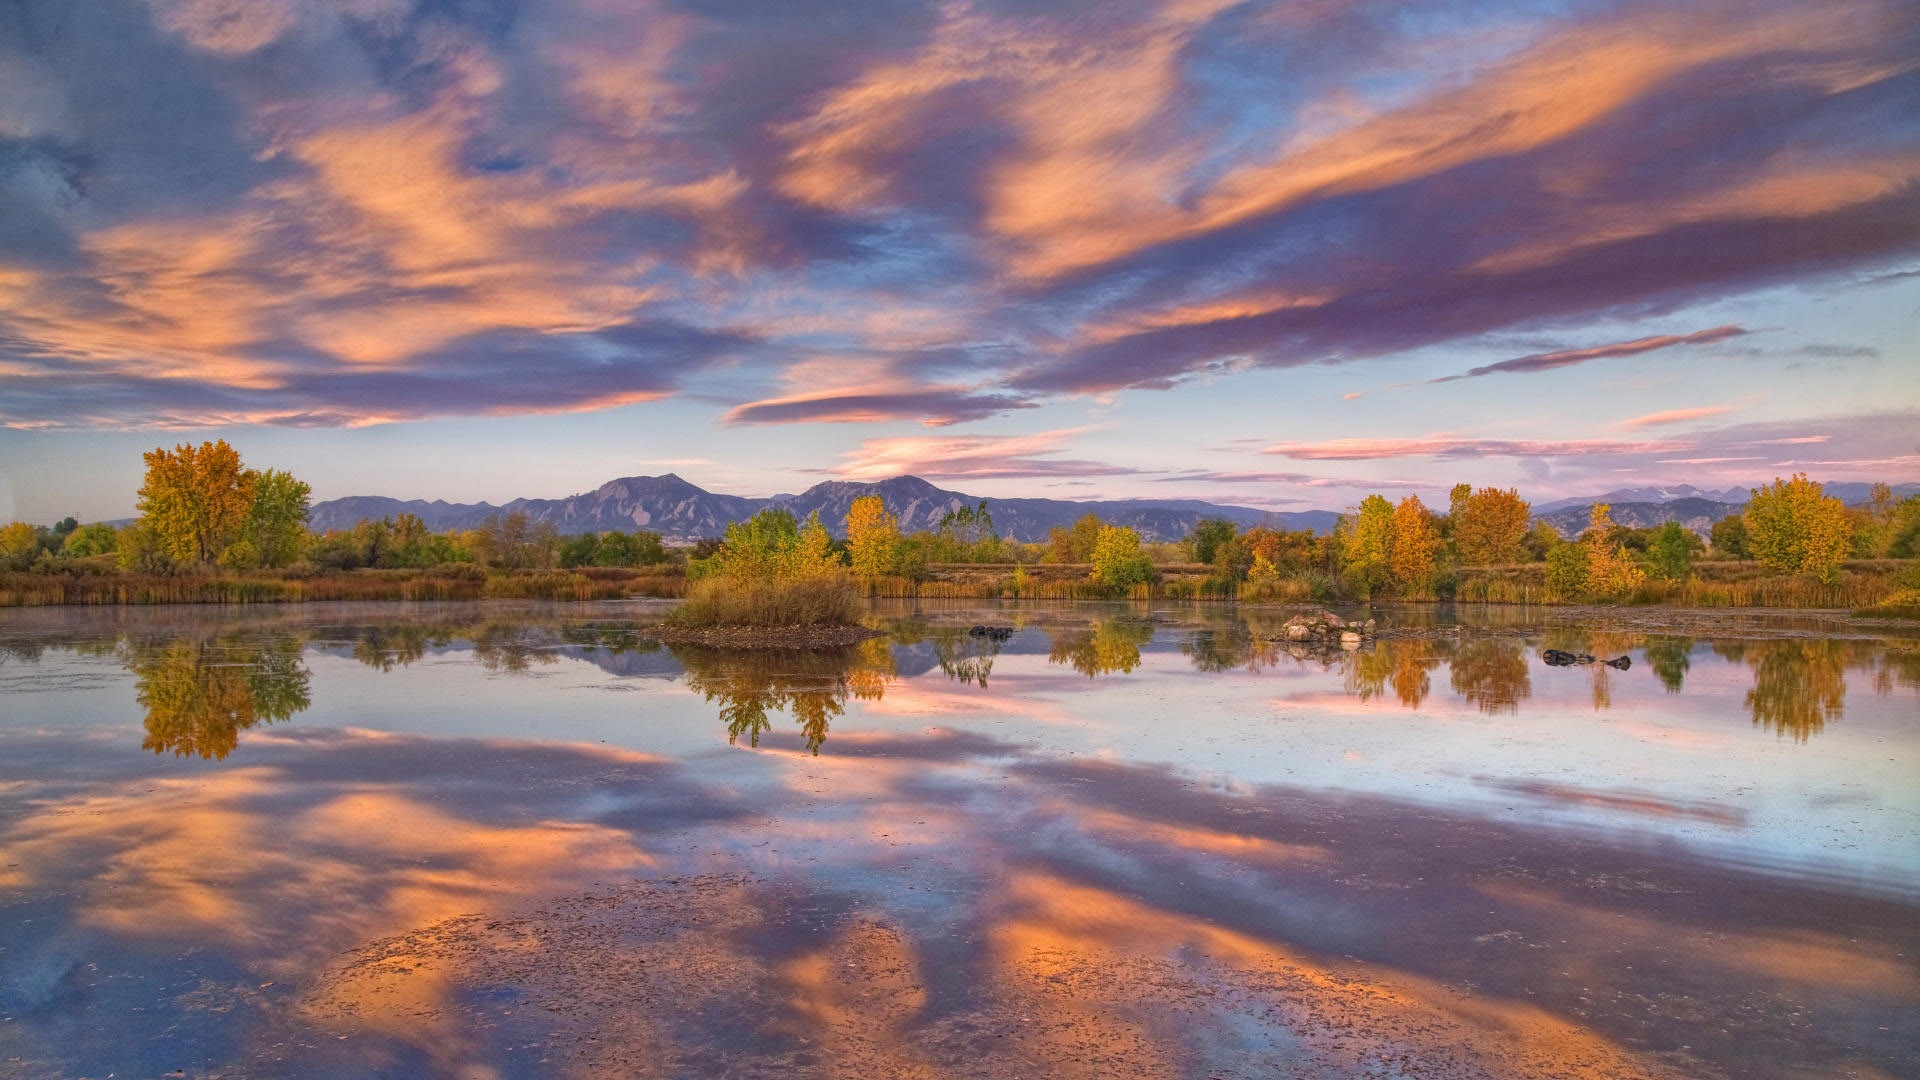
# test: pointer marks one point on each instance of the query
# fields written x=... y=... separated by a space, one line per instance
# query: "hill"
x=683 y=512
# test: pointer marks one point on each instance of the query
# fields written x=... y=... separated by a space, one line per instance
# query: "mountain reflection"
x=1109 y=646
x=200 y=694
x=813 y=685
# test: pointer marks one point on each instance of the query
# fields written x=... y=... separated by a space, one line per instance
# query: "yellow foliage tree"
x=1490 y=526
x=1415 y=546
x=1611 y=571
x=814 y=554
x=1368 y=545
x=1118 y=562
x=873 y=536
x=195 y=500
x=1796 y=528
x=18 y=543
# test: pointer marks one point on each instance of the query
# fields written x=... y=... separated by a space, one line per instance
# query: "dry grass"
x=455 y=582
x=828 y=600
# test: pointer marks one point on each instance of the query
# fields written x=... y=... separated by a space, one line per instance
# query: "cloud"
x=836 y=389
x=933 y=407
x=972 y=457
x=1447 y=446
x=1569 y=357
x=1674 y=416
x=496 y=373
x=311 y=202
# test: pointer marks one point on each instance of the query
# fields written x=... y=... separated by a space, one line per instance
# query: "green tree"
x=1207 y=537
x=1490 y=527
x=1118 y=562
x=1367 y=546
x=195 y=500
x=967 y=535
x=1796 y=528
x=276 y=524
x=1670 y=555
x=1729 y=538
x=1567 y=570
x=87 y=540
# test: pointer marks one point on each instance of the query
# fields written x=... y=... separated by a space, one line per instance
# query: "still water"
x=511 y=840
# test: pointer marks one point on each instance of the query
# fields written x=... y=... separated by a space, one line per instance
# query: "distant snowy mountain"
x=1684 y=503
x=1646 y=495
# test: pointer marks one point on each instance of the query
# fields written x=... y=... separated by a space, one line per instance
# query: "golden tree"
x=873 y=536
x=1490 y=526
x=195 y=500
x=1415 y=545
x=1610 y=570
x=813 y=554
x=1368 y=545
x=1796 y=528
x=18 y=544
x=1118 y=562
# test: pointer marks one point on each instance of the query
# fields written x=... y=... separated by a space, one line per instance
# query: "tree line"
x=202 y=509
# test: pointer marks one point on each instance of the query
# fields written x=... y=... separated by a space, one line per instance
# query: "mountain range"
x=683 y=512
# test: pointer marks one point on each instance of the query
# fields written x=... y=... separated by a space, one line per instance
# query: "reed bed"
x=460 y=582
x=824 y=600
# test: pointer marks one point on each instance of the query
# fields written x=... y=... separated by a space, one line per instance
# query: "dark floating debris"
x=1562 y=658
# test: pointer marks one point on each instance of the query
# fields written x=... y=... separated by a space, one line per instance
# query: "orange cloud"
x=1674 y=416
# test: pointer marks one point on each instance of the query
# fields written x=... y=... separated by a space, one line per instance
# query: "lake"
x=504 y=840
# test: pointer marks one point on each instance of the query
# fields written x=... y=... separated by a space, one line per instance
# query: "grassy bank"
x=460 y=582
x=823 y=600
x=1864 y=584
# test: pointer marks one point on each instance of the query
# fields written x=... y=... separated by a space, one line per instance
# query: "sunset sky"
x=1273 y=254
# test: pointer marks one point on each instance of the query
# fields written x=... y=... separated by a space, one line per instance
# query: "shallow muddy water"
x=1131 y=841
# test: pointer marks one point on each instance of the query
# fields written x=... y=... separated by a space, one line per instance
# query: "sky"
x=1271 y=254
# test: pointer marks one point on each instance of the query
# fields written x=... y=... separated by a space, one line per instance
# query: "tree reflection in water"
x=200 y=694
x=389 y=645
x=1231 y=647
x=1413 y=664
x=1670 y=658
x=1110 y=645
x=1492 y=673
x=812 y=684
x=1798 y=685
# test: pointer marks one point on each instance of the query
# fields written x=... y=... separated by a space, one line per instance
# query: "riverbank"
x=1866 y=586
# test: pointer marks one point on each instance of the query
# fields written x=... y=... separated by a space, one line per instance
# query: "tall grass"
x=822 y=600
x=453 y=582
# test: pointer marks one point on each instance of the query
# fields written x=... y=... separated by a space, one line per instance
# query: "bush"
x=816 y=600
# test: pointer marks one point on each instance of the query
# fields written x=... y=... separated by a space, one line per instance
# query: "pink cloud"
x=974 y=457
x=1453 y=447
x=1569 y=357
x=1674 y=416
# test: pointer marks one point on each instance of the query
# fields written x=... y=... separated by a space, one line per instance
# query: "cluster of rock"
x=1562 y=658
x=1323 y=630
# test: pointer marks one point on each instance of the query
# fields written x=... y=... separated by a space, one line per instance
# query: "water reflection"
x=1798 y=685
x=812 y=685
x=1670 y=658
x=200 y=693
x=202 y=685
x=1107 y=647
x=1492 y=673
